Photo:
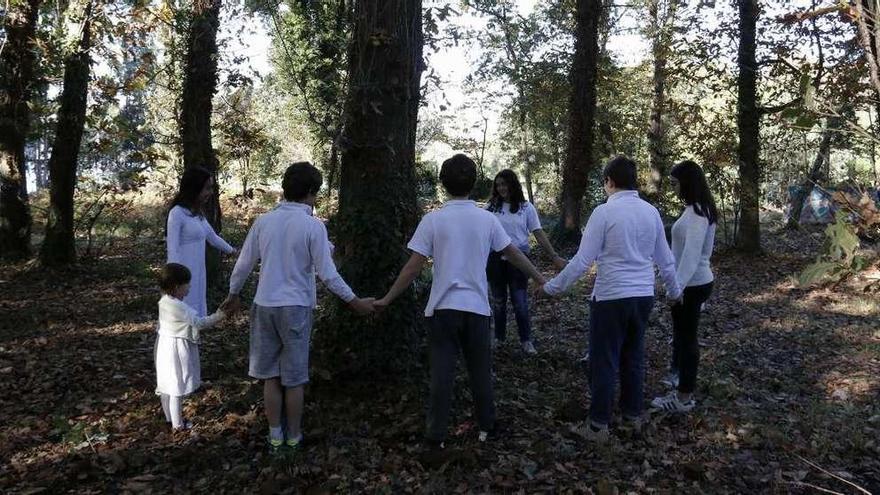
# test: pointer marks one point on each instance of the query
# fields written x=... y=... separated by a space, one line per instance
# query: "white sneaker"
x=670 y=380
x=528 y=347
x=597 y=434
x=670 y=403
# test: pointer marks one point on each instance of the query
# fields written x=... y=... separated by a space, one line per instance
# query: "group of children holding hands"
x=624 y=237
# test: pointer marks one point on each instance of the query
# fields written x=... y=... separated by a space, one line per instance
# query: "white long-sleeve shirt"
x=178 y=319
x=186 y=238
x=625 y=237
x=292 y=246
x=692 y=242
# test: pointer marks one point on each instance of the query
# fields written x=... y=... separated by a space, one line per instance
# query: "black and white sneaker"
x=670 y=380
x=671 y=403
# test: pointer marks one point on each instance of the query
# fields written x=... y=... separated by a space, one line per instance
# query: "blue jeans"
x=505 y=278
x=617 y=347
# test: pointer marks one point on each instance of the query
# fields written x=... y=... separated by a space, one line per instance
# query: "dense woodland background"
x=103 y=104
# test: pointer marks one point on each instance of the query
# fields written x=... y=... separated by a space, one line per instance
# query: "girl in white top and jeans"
x=693 y=238
x=519 y=219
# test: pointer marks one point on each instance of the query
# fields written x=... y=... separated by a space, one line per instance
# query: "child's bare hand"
x=560 y=263
x=380 y=304
x=538 y=291
x=231 y=305
x=362 y=306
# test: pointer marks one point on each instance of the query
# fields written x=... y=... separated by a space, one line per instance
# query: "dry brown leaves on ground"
x=788 y=399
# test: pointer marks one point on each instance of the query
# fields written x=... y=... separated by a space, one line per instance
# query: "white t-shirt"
x=519 y=225
x=459 y=236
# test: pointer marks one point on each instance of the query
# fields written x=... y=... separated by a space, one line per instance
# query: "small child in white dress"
x=178 y=372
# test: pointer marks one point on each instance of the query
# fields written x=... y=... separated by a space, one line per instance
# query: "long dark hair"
x=191 y=185
x=694 y=190
x=515 y=195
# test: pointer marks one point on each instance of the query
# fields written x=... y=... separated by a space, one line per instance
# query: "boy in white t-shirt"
x=459 y=236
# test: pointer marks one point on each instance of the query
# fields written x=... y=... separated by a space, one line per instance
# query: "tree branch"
x=778 y=108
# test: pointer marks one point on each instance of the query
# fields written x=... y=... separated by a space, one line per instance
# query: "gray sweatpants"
x=448 y=332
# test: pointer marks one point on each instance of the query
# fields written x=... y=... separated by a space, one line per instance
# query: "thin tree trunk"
x=582 y=116
x=378 y=210
x=59 y=247
x=875 y=126
x=656 y=133
x=748 y=123
x=199 y=86
x=16 y=81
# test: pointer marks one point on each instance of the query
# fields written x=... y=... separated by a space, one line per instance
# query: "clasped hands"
x=360 y=305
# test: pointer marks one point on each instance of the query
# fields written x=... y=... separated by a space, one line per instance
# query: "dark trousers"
x=685 y=342
x=505 y=278
x=617 y=347
x=451 y=331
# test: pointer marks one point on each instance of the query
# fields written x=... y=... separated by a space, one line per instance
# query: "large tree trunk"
x=748 y=123
x=199 y=86
x=16 y=81
x=59 y=246
x=582 y=115
x=377 y=196
x=817 y=171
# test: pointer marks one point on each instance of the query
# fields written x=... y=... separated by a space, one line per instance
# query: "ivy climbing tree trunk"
x=199 y=86
x=582 y=116
x=59 y=246
x=16 y=81
x=748 y=123
x=377 y=197
x=196 y=106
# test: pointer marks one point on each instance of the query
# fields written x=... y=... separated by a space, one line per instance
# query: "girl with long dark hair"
x=693 y=238
x=187 y=231
x=519 y=219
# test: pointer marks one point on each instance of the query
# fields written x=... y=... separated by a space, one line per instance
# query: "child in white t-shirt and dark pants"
x=459 y=237
x=178 y=370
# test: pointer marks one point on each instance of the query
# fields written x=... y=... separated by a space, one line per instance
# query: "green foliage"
x=838 y=259
x=311 y=58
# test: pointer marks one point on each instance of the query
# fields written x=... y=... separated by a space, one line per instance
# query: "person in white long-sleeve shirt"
x=625 y=238
x=178 y=370
x=693 y=239
x=188 y=230
x=292 y=247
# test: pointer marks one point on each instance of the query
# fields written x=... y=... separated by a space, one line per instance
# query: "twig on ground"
x=829 y=473
x=815 y=487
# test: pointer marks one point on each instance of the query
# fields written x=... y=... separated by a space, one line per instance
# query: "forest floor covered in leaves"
x=789 y=398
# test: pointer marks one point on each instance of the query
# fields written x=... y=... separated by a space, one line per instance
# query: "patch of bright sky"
x=452 y=64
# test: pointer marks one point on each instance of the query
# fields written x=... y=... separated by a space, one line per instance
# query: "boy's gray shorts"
x=279 y=344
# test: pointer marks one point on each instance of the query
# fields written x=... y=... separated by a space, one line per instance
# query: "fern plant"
x=838 y=258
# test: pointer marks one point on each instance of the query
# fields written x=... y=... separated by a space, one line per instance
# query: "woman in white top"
x=188 y=230
x=693 y=238
x=519 y=219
